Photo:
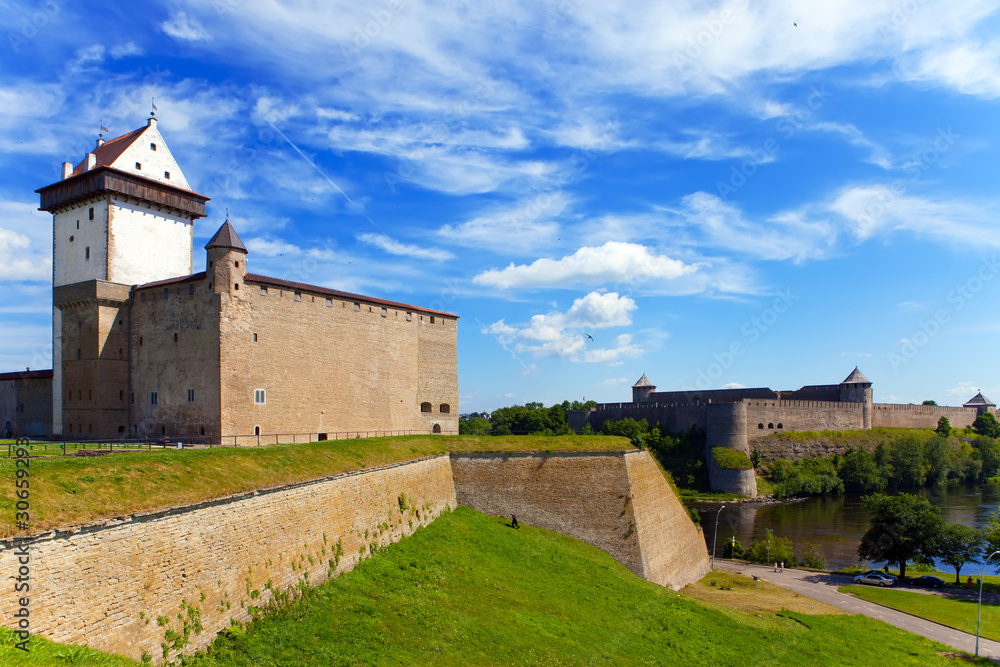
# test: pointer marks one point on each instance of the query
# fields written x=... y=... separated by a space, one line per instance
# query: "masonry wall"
x=26 y=402
x=174 y=348
x=891 y=415
x=134 y=256
x=618 y=502
x=333 y=364
x=106 y=585
x=801 y=416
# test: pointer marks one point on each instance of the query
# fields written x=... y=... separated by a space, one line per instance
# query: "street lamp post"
x=715 y=535
x=979 y=612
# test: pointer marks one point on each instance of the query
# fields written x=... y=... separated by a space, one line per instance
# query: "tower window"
x=409 y=317
x=91 y=212
x=203 y=430
x=140 y=340
x=432 y=319
x=357 y=306
x=425 y=407
x=71 y=239
x=131 y=397
x=256 y=430
x=190 y=395
x=329 y=302
x=78 y=224
x=771 y=425
x=255 y=338
x=152 y=147
x=263 y=290
x=760 y=426
x=86 y=253
x=236 y=264
x=121 y=395
x=166 y=175
x=191 y=288
x=138 y=166
x=445 y=408
x=298 y=296
x=384 y=312
x=166 y=292
x=780 y=426
x=260 y=396
x=79 y=353
x=236 y=286
x=153 y=398
x=175 y=338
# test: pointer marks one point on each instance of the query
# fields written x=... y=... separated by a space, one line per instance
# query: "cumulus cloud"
x=181 y=26
x=524 y=226
x=19 y=260
x=612 y=262
x=565 y=334
x=394 y=247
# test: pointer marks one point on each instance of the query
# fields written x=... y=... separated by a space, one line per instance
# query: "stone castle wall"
x=618 y=502
x=767 y=417
x=891 y=415
x=25 y=402
x=107 y=585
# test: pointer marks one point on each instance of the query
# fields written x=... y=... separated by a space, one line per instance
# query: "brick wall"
x=105 y=585
x=892 y=415
x=26 y=402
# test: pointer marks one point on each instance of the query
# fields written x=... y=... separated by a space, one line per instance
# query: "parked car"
x=927 y=582
x=881 y=573
x=873 y=579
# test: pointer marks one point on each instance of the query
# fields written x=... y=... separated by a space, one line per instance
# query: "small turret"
x=227 y=261
x=642 y=389
x=981 y=404
x=857 y=389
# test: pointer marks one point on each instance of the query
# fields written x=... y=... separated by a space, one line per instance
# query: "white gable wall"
x=155 y=164
x=70 y=263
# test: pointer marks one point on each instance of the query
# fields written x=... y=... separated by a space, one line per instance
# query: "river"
x=836 y=523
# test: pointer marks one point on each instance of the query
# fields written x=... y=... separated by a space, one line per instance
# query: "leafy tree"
x=929 y=402
x=634 y=430
x=986 y=424
x=755 y=458
x=991 y=535
x=906 y=456
x=474 y=426
x=957 y=545
x=943 y=427
x=780 y=551
x=988 y=452
x=813 y=557
x=859 y=472
x=900 y=528
x=939 y=461
x=733 y=549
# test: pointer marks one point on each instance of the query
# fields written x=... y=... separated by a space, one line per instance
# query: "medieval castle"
x=731 y=418
x=144 y=347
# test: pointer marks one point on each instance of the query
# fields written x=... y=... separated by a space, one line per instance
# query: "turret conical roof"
x=644 y=382
x=226 y=237
x=978 y=399
x=856 y=377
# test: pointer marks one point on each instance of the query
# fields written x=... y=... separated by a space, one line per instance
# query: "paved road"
x=823 y=587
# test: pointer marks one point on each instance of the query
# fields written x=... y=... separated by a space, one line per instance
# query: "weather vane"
x=103 y=129
x=153 y=102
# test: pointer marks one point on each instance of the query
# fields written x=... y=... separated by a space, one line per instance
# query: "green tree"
x=929 y=402
x=813 y=557
x=627 y=427
x=988 y=452
x=938 y=461
x=906 y=456
x=771 y=549
x=957 y=545
x=900 y=528
x=474 y=426
x=986 y=424
x=859 y=472
x=943 y=427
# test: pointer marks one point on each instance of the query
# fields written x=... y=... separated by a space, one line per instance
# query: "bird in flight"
x=588 y=336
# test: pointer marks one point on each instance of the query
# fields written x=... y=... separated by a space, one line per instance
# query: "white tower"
x=123 y=216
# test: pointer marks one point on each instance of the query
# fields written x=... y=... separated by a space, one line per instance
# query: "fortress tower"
x=642 y=389
x=123 y=215
x=857 y=389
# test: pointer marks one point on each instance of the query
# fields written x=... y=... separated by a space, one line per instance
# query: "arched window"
x=779 y=425
x=256 y=430
x=445 y=408
x=425 y=407
x=770 y=425
x=760 y=425
x=437 y=428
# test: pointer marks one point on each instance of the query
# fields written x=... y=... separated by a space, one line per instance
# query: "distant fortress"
x=733 y=417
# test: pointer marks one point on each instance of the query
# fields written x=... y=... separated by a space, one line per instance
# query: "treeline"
x=680 y=454
x=906 y=461
x=774 y=549
x=527 y=419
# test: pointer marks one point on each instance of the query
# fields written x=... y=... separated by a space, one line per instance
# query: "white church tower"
x=123 y=216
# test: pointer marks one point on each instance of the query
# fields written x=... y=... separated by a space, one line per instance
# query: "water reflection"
x=837 y=523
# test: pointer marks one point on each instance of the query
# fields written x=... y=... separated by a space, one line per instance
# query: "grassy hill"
x=70 y=490
x=469 y=590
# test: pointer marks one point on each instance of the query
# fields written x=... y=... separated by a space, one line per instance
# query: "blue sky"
x=737 y=193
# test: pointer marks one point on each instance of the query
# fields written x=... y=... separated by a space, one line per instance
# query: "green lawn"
x=469 y=590
x=71 y=490
x=959 y=614
x=43 y=653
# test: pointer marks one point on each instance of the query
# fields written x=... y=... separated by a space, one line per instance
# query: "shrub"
x=731 y=459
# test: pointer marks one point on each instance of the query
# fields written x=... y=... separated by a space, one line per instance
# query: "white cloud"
x=567 y=335
x=526 y=226
x=612 y=262
x=25 y=243
x=270 y=247
x=964 y=391
x=970 y=68
x=733 y=385
x=124 y=50
x=181 y=26
x=879 y=155
x=406 y=250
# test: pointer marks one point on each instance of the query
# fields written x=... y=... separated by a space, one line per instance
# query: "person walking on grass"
x=513 y=521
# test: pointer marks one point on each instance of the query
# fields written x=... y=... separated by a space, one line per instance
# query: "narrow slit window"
x=357 y=306
x=138 y=166
x=409 y=317
x=260 y=396
x=329 y=302
x=190 y=395
x=263 y=290
x=152 y=147
x=166 y=175
x=91 y=212
x=153 y=398
x=86 y=253
x=384 y=312
x=298 y=296
x=255 y=338
x=166 y=292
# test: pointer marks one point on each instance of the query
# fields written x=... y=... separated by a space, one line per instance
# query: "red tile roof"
x=110 y=151
x=253 y=277
x=171 y=281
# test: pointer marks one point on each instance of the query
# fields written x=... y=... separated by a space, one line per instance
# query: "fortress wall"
x=26 y=402
x=673 y=549
x=105 y=585
x=727 y=427
x=674 y=417
x=171 y=367
x=891 y=415
x=618 y=502
x=802 y=416
x=329 y=366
